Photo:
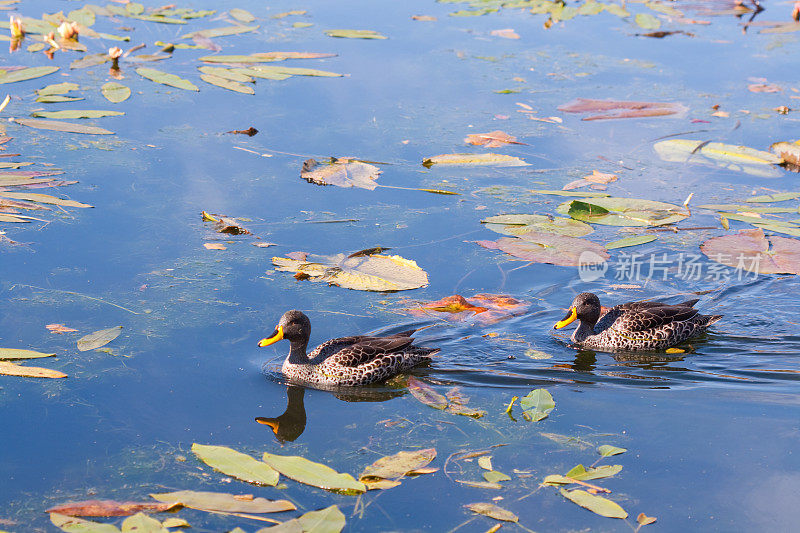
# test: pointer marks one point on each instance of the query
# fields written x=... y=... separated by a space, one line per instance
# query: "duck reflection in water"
x=290 y=424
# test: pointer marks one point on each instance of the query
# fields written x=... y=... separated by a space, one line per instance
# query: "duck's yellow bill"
x=276 y=336
x=271 y=422
x=572 y=314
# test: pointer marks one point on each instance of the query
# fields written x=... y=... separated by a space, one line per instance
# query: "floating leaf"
x=165 y=78
x=220 y=501
x=519 y=224
x=27 y=73
x=777 y=197
x=175 y=522
x=264 y=57
x=108 y=508
x=354 y=34
x=494 y=476
x=368 y=273
x=16 y=353
x=630 y=241
x=596 y=504
x=569 y=193
x=71 y=524
x=56 y=99
x=644 y=520
x=13 y=369
x=115 y=92
x=485 y=462
x=396 y=466
x=141 y=523
x=647 y=21
x=499 y=160
x=582 y=474
x=623 y=211
x=57 y=88
x=220 y=32
x=484 y=308
x=606 y=450
x=98 y=338
x=493 y=139
x=750 y=250
x=241 y=15
x=275 y=72
x=236 y=464
x=342 y=172
x=315 y=474
x=741 y=158
x=621 y=109
x=788 y=152
x=328 y=520
x=537 y=405
x=57 y=125
x=227 y=73
x=42 y=198
x=550 y=248
x=91 y=60
x=227 y=84
x=77 y=113
x=425 y=394
x=492 y=511
x=480 y=484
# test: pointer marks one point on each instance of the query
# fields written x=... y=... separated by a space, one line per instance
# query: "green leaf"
x=57 y=125
x=220 y=32
x=582 y=474
x=141 y=523
x=115 y=92
x=493 y=476
x=227 y=84
x=226 y=73
x=740 y=158
x=398 y=465
x=606 y=450
x=354 y=34
x=57 y=88
x=500 y=160
x=57 y=98
x=42 y=198
x=236 y=464
x=777 y=197
x=98 y=338
x=623 y=211
x=28 y=73
x=16 y=353
x=73 y=524
x=315 y=474
x=220 y=501
x=536 y=405
x=165 y=78
x=518 y=225
x=241 y=15
x=596 y=504
x=328 y=520
x=295 y=71
x=630 y=241
x=647 y=21
x=77 y=113
x=492 y=511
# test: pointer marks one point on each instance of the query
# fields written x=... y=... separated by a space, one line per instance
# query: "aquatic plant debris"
x=623 y=211
x=493 y=139
x=99 y=338
x=751 y=250
x=492 y=511
x=739 y=158
x=520 y=224
x=109 y=508
x=541 y=247
x=499 y=160
x=342 y=172
x=393 y=467
x=621 y=108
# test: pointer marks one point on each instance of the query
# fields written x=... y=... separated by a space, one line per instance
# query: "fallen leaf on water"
x=485 y=462
x=789 y=152
x=228 y=84
x=71 y=524
x=623 y=211
x=520 y=224
x=370 y=273
x=483 y=308
x=507 y=33
x=606 y=450
x=57 y=88
x=581 y=473
x=596 y=504
x=251 y=131
x=23 y=74
x=13 y=369
x=499 y=160
x=492 y=139
x=492 y=511
x=751 y=251
x=166 y=78
x=647 y=21
x=621 y=109
x=42 y=198
x=342 y=172
x=115 y=92
x=396 y=466
x=777 y=197
x=425 y=394
x=494 y=476
x=109 y=508
x=741 y=158
x=141 y=523
x=16 y=353
x=219 y=32
x=214 y=246
x=630 y=241
x=264 y=57
x=355 y=34
x=98 y=338
x=175 y=522
x=328 y=520
x=764 y=88
x=241 y=15
x=236 y=464
x=56 y=125
x=538 y=247
x=315 y=474
x=426 y=18
x=537 y=405
x=644 y=520
x=223 y=224
x=55 y=328
x=220 y=501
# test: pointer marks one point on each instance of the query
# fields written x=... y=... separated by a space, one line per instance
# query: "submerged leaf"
x=165 y=78
x=115 y=92
x=499 y=160
x=56 y=125
x=492 y=511
x=621 y=109
x=221 y=501
x=98 y=338
x=220 y=32
x=519 y=224
x=750 y=250
x=550 y=248
x=623 y=211
x=16 y=353
x=537 y=405
x=425 y=394
x=370 y=273
x=342 y=172
x=13 y=369
x=315 y=474
x=236 y=464
x=596 y=504
x=397 y=465
x=741 y=158
x=354 y=34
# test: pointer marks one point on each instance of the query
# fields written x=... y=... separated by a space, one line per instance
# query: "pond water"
x=711 y=433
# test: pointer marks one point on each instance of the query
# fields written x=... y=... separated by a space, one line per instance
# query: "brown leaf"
x=110 y=508
x=539 y=247
x=215 y=246
x=507 y=33
x=342 y=172
x=764 y=88
x=427 y=18
x=492 y=139
x=621 y=109
x=223 y=224
x=13 y=369
x=453 y=304
x=483 y=308
x=59 y=328
x=600 y=177
x=425 y=394
x=249 y=131
x=750 y=250
x=279 y=56
x=644 y=520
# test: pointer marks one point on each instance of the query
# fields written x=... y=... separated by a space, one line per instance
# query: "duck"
x=633 y=326
x=346 y=361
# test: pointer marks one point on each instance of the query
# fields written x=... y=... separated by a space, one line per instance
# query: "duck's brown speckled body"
x=346 y=361
x=634 y=326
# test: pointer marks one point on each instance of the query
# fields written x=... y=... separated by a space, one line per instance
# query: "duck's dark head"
x=293 y=326
x=585 y=307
